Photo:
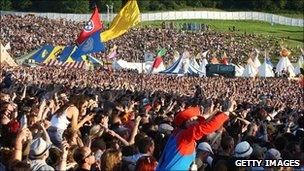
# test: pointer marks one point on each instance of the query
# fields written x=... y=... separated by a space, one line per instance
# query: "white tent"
x=265 y=70
x=285 y=65
x=5 y=57
x=202 y=66
x=256 y=61
x=181 y=66
x=140 y=67
x=300 y=64
x=239 y=70
x=194 y=63
x=250 y=70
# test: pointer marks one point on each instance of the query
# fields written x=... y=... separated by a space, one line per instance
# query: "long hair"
x=111 y=160
x=75 y=100
x=146 y=163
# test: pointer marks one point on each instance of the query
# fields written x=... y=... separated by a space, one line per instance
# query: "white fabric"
x=239 y=70
x=6 y=57
x=265 y=70
x=249 y=71
x=300 y=64
x=60 y=122
x=140 y=67
x=160 y=68
x=194 y=63
x=257 y=62
x=285 y=65
x=202 y=66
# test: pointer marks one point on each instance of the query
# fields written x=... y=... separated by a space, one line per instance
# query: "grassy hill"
x=292 y=37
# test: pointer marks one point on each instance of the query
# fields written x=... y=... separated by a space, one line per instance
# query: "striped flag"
x=67 y=65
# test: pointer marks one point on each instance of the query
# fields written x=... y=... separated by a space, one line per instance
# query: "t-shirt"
x=40 y=165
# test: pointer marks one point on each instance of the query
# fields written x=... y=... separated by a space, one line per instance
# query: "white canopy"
x=265 y=70
x=6 y=57
x=249 y=71
x=300 y=64
x=239 y=70
x=202 y=66
x=140 y=67
x=285 y=65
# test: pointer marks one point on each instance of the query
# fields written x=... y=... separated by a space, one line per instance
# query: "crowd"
x=30 y=32
x=55 y=119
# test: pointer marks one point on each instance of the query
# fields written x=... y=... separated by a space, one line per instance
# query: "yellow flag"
x=127 y=17
x=54 y=54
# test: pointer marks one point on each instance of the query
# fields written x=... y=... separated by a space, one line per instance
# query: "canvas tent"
x=239 y=70
x=182 y=66
x=140 y=67
x=300 y=64
x=250 y=70
x=256 y=60
x=265 y=70
x=202 y=66
x=6 y=57
x=284 y=65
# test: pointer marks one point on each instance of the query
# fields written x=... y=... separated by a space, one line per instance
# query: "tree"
x=5 y=5
x=22 y=5
x=282 y=4
x=74 y=6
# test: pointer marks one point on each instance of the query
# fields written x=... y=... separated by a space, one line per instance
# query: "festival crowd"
x=56 y=119
x=28 y=33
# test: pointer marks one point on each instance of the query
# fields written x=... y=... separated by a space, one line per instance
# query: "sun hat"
x=204 y=146
x=38 y=147
x=164 y=128
x=273 y=154
x=243 y=149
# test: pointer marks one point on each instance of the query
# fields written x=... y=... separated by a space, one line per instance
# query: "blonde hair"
x=110 y=160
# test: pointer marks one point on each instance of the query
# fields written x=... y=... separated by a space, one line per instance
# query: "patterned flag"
x=91 y=45
x=91 y=27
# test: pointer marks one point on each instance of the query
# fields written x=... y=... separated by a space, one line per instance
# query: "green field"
x=292 y=37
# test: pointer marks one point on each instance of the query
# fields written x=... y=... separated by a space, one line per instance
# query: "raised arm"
x=75 y=125
x=204 y=128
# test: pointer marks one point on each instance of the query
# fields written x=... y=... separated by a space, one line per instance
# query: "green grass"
x=292 y=37
x=292 y=15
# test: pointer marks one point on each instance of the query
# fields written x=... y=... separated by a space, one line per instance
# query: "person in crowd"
x=204 y=157
x=190 y=127
x=69 y=114
x=146 y=163
x=84 y=158
x=111 y=160
x=39 y=152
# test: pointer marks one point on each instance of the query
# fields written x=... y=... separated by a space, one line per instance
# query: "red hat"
x=185 y=115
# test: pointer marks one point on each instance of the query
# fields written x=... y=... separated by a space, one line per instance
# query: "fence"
x=180 y=15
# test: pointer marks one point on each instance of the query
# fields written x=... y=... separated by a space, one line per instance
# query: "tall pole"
x=112 y=11
x=108 y=13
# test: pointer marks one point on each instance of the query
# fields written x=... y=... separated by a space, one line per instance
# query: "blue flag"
x=66 y=52
x=43 y=53
x=90 y=45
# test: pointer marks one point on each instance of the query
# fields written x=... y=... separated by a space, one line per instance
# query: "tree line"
x=85 y=6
